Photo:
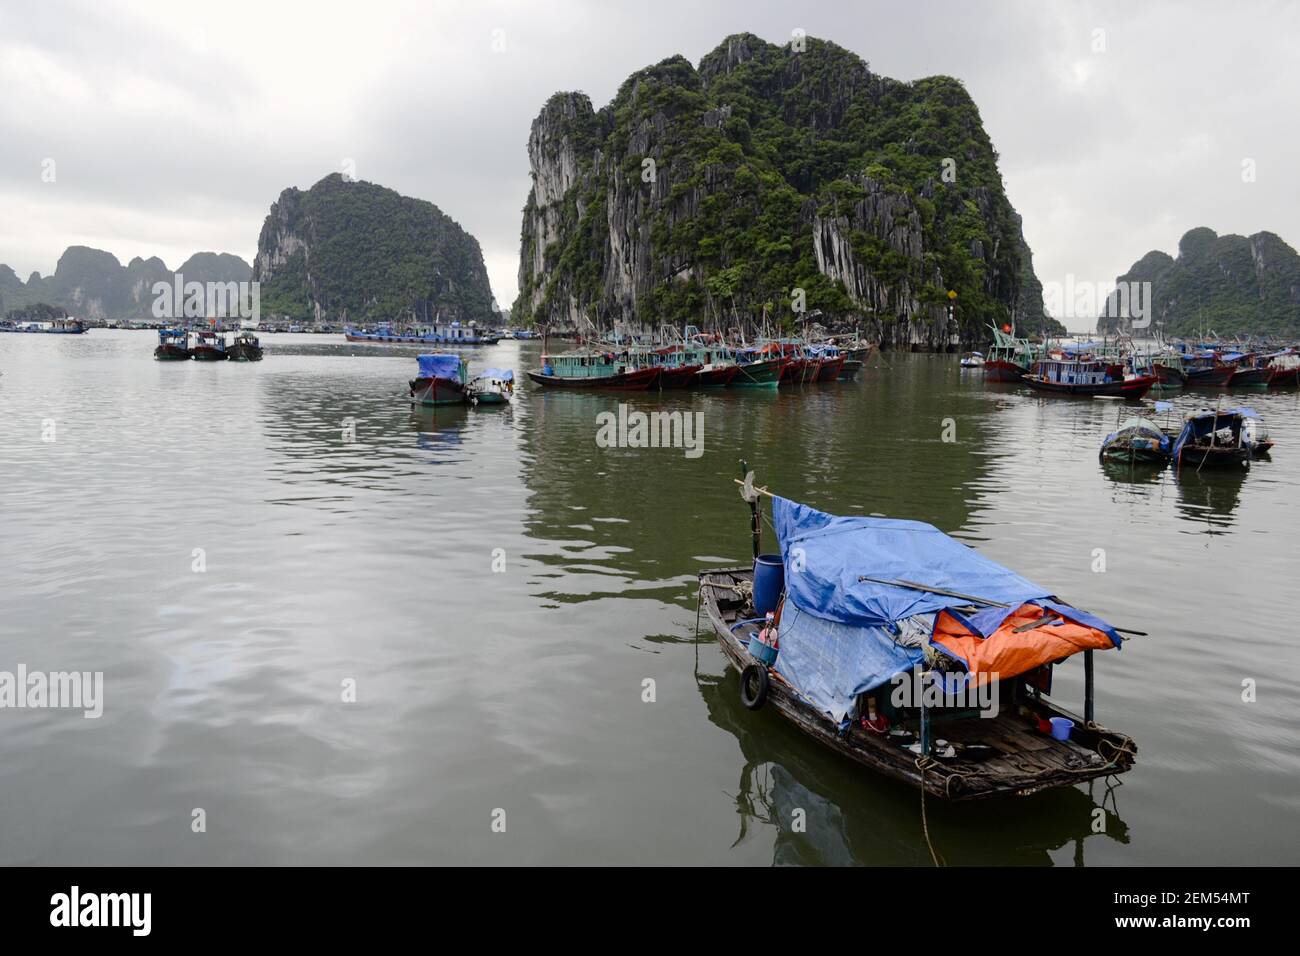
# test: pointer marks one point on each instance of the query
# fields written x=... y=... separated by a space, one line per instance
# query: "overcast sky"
x=173 y=126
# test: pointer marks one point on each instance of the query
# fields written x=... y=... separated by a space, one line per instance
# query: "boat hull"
x=206 y=353
x=430 y=392
x=1170 y=375
x=1125 y=388
x=720 y=376
x=998 y=370
x=1285 y=378
x=830 y=369
x=1092 y=751
x=172 y=353
x=1244 y=377
x=1209 y=377
x=850 y=369
x=636 y=380
x=766 y=373
x=680 y=376
x=245 y=353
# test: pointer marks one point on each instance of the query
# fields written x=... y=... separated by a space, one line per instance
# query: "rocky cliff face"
x=347 y=251
x=1229 y=285
x=766 y=180
x=92 y=284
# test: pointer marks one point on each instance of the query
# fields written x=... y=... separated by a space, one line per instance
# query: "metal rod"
x=913 y=586
x=1087 y=687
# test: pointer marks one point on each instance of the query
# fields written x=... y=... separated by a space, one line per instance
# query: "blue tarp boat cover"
x=504 y=374
x=840 y=637
x=441 y=365
x=824 y=555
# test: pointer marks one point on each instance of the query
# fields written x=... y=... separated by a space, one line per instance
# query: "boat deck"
x=1025 y=760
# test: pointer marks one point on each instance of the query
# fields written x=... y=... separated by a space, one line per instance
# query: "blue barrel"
x=769 y=582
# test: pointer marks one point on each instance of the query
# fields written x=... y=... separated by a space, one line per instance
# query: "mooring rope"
x=922 y=764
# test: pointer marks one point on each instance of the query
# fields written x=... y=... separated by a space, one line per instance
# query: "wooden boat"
x=595 y=370
x=1138 y=440
x=172 y=346
x=1218 y=438
x=1286 y=368
x=245 y=348
x=1206 y=370
x=492 y=386
x=755 y=372
x=1086 y=377
x=716 y=376
x=442 y=380
x=1009 y=358
x=678 y=376
x=209 y=346
x=1001 y=751
x=1248 y=376
x=829 y=371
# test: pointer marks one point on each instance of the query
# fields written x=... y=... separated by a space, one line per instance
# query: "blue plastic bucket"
x=1061 y=727
x=763 y=653
x=769 y=582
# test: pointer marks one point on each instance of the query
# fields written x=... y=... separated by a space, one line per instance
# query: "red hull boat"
x=1212 y=377
x=1251 y=376
x=1000 y=370
x=679 y=376
x=719 y=376
x=830 y=369
x=1126 y=388
x=1285 y=377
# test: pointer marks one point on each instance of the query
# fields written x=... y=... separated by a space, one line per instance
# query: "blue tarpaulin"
x=504 y=374
x=840 y=637
x=442 y=365
x=824 y=555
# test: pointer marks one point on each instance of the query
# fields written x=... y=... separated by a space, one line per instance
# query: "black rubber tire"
x=757 y=673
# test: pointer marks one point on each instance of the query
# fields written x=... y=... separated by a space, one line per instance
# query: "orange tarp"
x=1004 y=654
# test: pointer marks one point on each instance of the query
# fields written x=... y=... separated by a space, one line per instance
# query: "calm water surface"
x=329 y=561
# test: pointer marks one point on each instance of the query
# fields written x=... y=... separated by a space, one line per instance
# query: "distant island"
x=1218 y=285
x=708 y=195
x=93 y=285
x=347 y=251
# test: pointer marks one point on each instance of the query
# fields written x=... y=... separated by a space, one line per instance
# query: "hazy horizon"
x=173 y=130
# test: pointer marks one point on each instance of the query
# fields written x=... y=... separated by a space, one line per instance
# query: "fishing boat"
x=972 y=360
x=172 y=346
x=757 y=370
x=1009 y=358
x=245 y=347
x=208 y=345
x=880 y=631
x=832 y=362
x=1086 y=377
x=1250 y=372
x=1206 y=370
x=440 y=333
x=442 y=380
x=63 y=326
x=1217 y=437
x=492 y=386
x=716 y=375
x=1286 y=368
x=1138 y=440
x=616 y=370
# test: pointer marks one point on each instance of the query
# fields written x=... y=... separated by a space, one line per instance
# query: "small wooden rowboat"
x=1005 y=755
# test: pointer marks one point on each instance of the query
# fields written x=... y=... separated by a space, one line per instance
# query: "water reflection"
x=1209 y=498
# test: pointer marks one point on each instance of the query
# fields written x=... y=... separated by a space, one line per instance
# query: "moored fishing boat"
x=1086 y=377
x=1138 y=440
x=1217 y=437
x=862 y=657
x=172 y=346
x=440 y=333
x=492 y=386
x=1009 y=358
x=972 y=360
x=716 y=376
x=615 y=370
x=208 y=345
x=1250 y=372
x=1206 y=370
x=832 y=361
x=1286 y=368
x=245 y=348
x=754 y=370
x=442 y=380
